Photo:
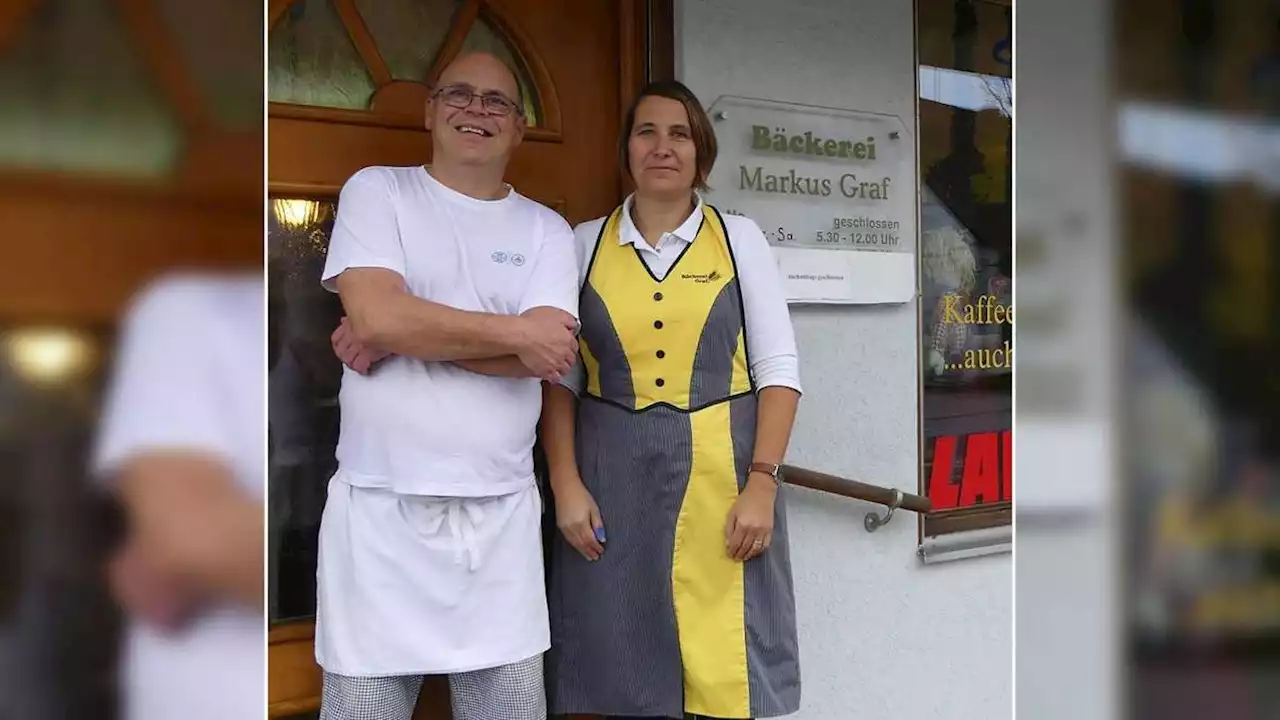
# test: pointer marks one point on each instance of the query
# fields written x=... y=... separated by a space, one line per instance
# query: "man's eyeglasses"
x=460 y=96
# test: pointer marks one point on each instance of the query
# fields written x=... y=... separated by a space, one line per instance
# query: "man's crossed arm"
x=194 y=535
x=383 y=318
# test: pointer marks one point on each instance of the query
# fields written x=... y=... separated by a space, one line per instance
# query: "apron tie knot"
x=463 y=517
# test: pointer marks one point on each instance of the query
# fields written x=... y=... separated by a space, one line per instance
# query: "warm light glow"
x=48 y=355
x=295 y=214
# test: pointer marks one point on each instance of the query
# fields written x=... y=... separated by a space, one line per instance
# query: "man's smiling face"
x=475 y=112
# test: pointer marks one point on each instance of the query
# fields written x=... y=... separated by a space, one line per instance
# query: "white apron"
x=411 y=585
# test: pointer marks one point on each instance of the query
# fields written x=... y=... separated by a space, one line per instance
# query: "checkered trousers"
x=508 y=692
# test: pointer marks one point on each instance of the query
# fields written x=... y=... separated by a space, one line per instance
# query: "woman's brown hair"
x=704 y=137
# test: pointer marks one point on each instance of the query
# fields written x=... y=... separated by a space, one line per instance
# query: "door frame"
x=646 y=52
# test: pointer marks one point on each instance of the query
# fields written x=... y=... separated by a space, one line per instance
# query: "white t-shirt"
x=189 y=374
x=432 y=428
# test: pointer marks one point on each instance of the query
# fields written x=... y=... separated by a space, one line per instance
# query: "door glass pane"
x=485 y=38
x=312 y=61
x=75 y=96
x=220 y=46
x=304 y=377
x=408 y=33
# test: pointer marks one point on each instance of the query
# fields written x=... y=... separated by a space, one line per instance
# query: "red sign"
x=984 y=478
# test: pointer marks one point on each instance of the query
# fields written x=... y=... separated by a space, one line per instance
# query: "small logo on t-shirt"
x=498 y=256
x=517 y=259
x=702 y=278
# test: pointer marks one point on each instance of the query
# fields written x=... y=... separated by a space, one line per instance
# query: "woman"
x=671 y=590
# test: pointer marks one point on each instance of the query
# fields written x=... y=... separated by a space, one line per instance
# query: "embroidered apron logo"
x=498 y=256
x=517 y=260
x=702 y=278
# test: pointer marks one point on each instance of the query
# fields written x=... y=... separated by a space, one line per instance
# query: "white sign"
x=833 y=190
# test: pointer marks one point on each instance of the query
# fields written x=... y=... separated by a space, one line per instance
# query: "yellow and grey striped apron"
x=665 y=622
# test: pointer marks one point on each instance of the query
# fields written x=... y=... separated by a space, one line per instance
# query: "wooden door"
x=348 y=88
x=567 y=52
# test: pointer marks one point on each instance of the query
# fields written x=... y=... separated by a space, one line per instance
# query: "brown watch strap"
x=767 y=468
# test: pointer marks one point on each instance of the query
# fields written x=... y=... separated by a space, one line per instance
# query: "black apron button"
x=661 y=382
x=661 y=354
x=657 y=324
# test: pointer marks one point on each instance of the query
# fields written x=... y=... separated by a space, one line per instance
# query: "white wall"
x=882 y=636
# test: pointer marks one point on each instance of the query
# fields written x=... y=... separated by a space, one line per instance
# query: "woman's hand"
x=750 y=527
x=578 y=518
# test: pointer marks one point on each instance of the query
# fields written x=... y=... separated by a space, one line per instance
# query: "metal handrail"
x=891 y=498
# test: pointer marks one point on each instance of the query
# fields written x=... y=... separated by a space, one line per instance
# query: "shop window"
x=966 y=344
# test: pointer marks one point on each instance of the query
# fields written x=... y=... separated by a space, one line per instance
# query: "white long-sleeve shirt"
x=770 y=337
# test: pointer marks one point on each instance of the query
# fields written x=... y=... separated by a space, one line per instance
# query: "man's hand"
x=351 y=352
x=578 y=517
x=549 y=343
x=749 y=529
x=145 y=593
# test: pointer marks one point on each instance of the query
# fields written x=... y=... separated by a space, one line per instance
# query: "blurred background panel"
x=1198 y=110
x=1148 y=266
x=131 y=145
x=130 y=142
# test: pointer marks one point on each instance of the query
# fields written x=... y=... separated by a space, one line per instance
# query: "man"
x=181 y=445
x=430 y=554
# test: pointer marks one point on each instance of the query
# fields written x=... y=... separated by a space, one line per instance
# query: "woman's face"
x=661 y=152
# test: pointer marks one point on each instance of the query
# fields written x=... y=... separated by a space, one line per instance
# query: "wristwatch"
x=773 y=470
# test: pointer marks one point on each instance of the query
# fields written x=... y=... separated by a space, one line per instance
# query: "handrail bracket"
x=873 y=522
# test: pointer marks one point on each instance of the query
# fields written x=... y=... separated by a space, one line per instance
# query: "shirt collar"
x=628 y=234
